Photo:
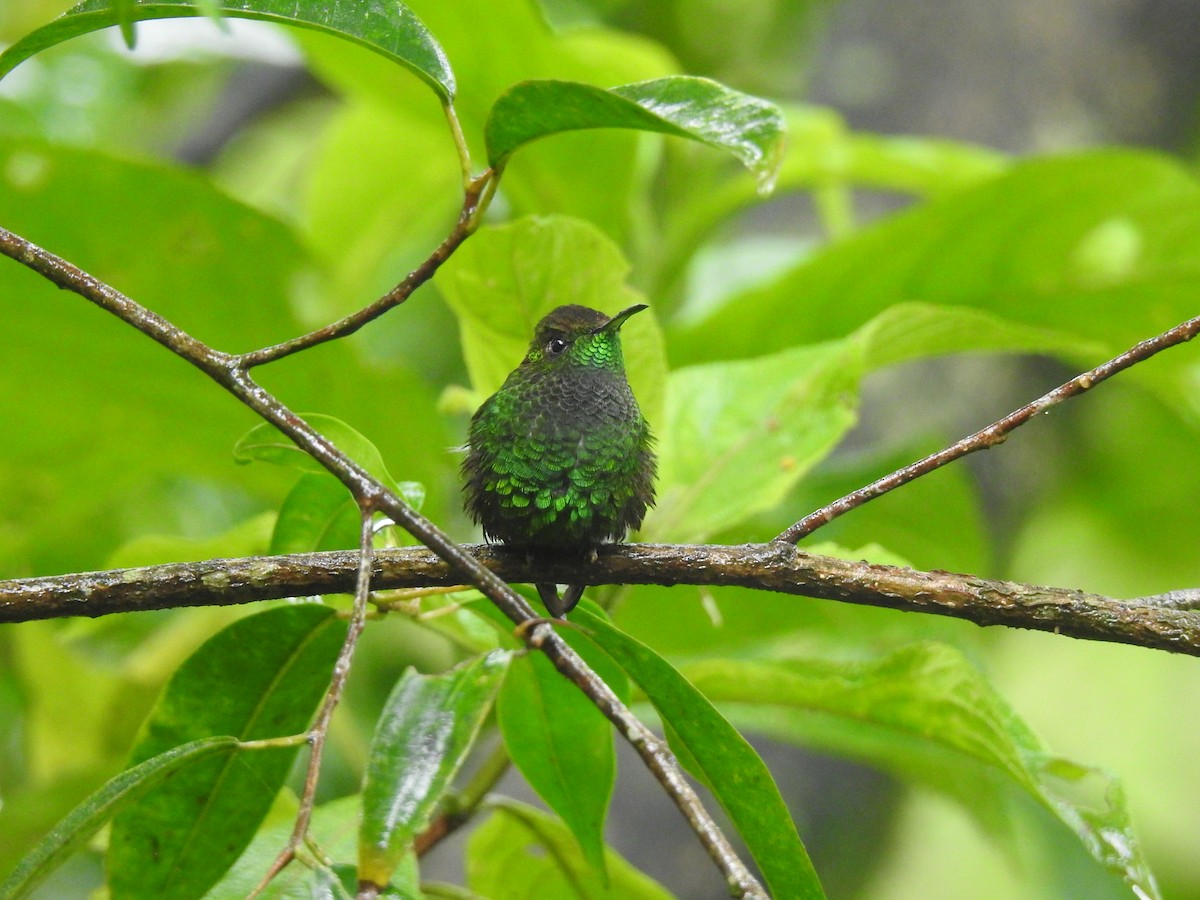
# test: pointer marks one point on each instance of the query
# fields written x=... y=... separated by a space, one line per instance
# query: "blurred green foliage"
x=781 y=368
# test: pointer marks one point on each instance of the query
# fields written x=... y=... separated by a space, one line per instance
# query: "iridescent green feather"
x=559 y=458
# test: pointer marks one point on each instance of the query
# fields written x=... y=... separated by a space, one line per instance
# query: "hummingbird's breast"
x=568 y=465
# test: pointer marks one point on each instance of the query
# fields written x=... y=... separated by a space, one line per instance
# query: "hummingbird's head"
x=576 y=335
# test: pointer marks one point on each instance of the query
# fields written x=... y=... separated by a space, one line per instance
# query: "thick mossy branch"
x=777 y=567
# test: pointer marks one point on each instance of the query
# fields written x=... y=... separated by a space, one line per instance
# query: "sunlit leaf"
x=738 y=435
x=1103 y=246
x=509 y=276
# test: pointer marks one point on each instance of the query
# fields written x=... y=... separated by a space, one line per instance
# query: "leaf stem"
x=460 y=143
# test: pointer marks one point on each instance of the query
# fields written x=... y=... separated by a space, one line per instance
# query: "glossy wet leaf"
x=90 y=815
x=391 y=29
x=720 y=757
x=421 y=739
x=926 y=714
x=684 y=106
x=521 y=852
x=261 y=677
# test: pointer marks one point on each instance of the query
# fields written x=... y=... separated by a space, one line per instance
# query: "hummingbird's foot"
x=571 y=597
x=560 y=606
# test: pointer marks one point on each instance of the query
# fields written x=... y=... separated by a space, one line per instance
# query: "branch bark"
x=1150 y=622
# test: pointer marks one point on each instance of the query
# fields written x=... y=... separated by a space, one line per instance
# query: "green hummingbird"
x=559 y=459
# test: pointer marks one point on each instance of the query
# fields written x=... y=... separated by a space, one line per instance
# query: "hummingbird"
x=559 y=459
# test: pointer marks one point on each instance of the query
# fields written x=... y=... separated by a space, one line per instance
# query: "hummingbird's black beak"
x=618 y=320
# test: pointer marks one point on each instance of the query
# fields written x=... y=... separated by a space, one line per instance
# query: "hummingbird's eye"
x=556 y=346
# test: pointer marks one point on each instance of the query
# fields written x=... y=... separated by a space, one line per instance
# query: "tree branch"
x=478 y=194
x=1155 y=622
x=233 y=374
x=996 y=433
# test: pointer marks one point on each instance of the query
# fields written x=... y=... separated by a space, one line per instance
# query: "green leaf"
x=1103 y=246
x=88 y=817
x=369 y=226
x=521 y=852
x=425 y=732
x=561 y=743
x=822 y=155
x=317 y=514
x=925 y=713
x=380 y=227
x=124 y=12
x=739 y=435
x=266 y=443
x=178 y=246
x=317 y=502
x=507 y=277
x=334 y=828
x=908 y=331
x=680 y=105
x=225 y=273
x=261 y=677
x=249 y=538
x=719 y=756
x=823 y=150
x=391 y=29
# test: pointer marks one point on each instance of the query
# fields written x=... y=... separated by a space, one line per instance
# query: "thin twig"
x=478 y=193
x=996 y=433
x=232 y=373
x=1161 y=621
x=319 y=731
